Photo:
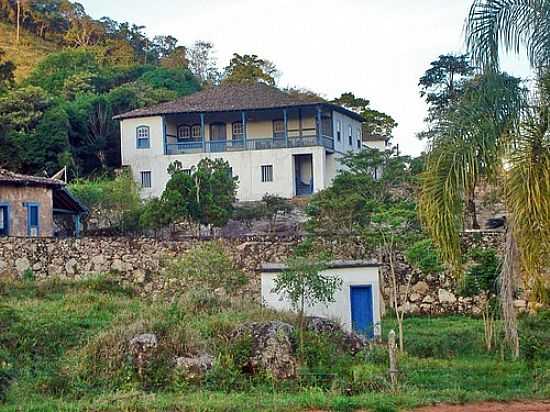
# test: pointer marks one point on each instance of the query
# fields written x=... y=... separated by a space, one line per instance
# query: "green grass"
x=27 y=53
x=62 y=347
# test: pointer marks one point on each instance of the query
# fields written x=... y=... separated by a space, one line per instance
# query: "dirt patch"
x=543 y=406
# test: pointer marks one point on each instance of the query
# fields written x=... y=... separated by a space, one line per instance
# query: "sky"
x=377 y=49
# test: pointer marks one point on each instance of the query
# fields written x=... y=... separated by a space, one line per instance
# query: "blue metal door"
x=362 y=318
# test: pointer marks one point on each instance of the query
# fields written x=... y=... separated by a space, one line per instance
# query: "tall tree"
x=376 y=123
x=202 y=61
x=443 y=83
x=249 y=68
x=7 y=69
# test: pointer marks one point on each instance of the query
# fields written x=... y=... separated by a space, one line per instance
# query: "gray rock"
x=22 y=264
x=142 y=350
x=272 y=348
x=350 y=340
x=445 y=296
x=194 y=367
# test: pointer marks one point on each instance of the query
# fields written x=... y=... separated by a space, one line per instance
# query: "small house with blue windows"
x=33 y=206
x=357 y=305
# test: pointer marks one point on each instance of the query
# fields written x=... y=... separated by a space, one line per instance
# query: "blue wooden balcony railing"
x=234 y=145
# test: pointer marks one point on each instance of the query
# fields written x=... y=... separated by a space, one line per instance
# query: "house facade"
x=274 y=142
x=36 y=206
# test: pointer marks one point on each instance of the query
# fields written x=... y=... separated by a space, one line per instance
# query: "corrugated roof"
x=11 y=178
x=233 y=97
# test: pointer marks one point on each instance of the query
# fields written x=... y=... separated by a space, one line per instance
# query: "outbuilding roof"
x=334 y=264
x=235 y=97
x=15 y=179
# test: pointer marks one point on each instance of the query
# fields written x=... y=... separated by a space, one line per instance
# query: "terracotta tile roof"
x=232 y=97
x=11 y=178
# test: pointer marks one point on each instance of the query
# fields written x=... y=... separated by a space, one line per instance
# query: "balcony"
x=234 y=145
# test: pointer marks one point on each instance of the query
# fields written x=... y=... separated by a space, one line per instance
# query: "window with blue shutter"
x=143 y=137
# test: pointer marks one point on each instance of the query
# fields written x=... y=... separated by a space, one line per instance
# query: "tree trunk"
x=472 y=208
x=18 y=23
x=507 y=286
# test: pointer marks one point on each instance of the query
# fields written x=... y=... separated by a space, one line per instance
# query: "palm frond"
x=512 y=24
x=528 y=191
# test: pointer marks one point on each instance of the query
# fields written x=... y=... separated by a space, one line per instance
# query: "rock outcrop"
x=272 y=348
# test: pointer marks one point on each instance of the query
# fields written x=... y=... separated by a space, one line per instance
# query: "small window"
x=196 y=132
x=142 y=137
x=238 y=131
x=146 y=179
x=359 y=143
x=350 y=136
x=33 y=219
x=184 y=132
x=278 y=128
x=339 y=130
x=4 y=220
x=267 y=173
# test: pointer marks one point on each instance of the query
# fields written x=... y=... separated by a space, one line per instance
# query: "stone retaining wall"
x=138 y=262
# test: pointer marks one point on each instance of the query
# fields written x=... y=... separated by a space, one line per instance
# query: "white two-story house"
x=275 y=142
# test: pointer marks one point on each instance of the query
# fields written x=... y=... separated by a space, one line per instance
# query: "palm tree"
x=504 y=140
x=512 y=24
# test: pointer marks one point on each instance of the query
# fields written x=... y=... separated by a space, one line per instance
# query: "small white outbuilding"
x=357 y=305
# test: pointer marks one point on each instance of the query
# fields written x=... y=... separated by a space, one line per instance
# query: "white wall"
x=343 y=146
x=340 y=310
x=245 y=164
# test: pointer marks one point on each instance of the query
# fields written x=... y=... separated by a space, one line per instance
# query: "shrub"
x=482 y=275
x=368 y=378
x=208 y=266
x=424 y=256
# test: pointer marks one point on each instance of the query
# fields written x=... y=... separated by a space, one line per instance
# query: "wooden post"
x=392 y=350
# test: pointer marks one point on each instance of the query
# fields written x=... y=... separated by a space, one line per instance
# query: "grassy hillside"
x=29 y=51
x=63 y=347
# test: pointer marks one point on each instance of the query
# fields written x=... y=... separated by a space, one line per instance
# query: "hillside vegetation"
x=64 y=346
x=26 y=55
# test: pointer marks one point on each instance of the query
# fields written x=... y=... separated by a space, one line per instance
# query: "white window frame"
x=267 y=173
x=184 y=132
x=196 y=132
x=350 y=135
x=144 y=173
x=339 y=130
x=143 y=134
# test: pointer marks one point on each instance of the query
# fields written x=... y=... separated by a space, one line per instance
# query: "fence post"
x=392 y=350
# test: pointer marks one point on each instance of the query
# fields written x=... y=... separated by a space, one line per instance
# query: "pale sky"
x=377 y=49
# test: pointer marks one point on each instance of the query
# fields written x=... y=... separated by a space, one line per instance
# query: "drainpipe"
x=202 y=133
x=285 y=119
x=319 y=128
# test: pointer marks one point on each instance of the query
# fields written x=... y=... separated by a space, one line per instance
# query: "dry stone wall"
x=138 y=262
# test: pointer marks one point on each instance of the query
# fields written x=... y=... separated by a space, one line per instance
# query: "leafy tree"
x=444 y=82
x=177 y=59
x=21 y=109
x=249 y=68
x=180 y=80
x=52 y=72
x=376 y=123
x=205 y=196
x=202 y=62
x=305 y=285
x=7 y=69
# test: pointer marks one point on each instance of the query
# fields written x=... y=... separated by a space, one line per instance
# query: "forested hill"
x=64 y=74
x=30 y=50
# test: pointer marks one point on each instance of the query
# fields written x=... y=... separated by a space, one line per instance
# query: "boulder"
x=445 y=296
x=142 y=350
x=195 y=367
x=272 y=348
x=414 y=297
x=22 y=264
x=420 y=287
x=351 y=341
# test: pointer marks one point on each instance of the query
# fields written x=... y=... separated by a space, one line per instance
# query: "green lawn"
x=62 y=348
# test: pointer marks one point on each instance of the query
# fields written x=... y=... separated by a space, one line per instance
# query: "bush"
x=482 y=275
x=424 y=256
x=208 y=266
